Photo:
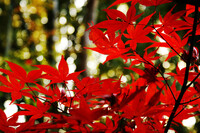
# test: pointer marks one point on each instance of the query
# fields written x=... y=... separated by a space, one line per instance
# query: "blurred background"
x=34 y=32
x=40 y=31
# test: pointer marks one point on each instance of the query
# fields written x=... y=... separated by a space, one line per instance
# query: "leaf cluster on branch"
x=150 y=103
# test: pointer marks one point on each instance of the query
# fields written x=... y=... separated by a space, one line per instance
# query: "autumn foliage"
x=150 y=103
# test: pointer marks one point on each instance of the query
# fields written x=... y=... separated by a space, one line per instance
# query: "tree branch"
x=184 y=86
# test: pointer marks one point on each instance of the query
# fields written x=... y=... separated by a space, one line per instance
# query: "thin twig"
x=160 y=74
x=179 y=111
x=167 y=43
x=193 y=81
x=32 y=90
x=36 y=97
x=190 y=100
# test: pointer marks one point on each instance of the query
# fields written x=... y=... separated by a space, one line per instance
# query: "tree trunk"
x=9 y=35
x=90 y=16
x=50 y=27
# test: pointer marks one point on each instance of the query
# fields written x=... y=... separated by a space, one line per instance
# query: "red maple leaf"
x=147 y=58
x=190 y=9
x=58 y=76
x=174 y=42
x=143 y=2
x=31 y=127
x=117 y=2
x=35 y=112
x=189 y=26
x=103 y=91
x=6 y=124
x=171 y=22
x=151 y=126
x=86 y=86
x=138 y=33
x=54 y=94
x=141 y=105
x=108 y=127
x=19 y=73
x=10 y=125
x=14 y=87
x=119 y=21
x=85 y=114
x=179 y=75
x=108 y=44
x=153 y=2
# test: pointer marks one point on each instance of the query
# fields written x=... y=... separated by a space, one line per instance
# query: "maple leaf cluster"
x=108 y=105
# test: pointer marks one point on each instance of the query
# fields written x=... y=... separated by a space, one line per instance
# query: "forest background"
x=34 y=32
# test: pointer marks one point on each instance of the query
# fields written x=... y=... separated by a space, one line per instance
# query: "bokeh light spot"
x=72 y=12
x=166 y=64
x=10 y=109
x=123 y=8
x=40 y=58
x=111 y=73
x=163 y=51
x=63 y=45
x=63 y=30
x=44 y=20
x=39 y=47
x=70 y=29
x=79 y=3
x=62 y=20
x=181 y=64
x=189 y=122
x=70 y=60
